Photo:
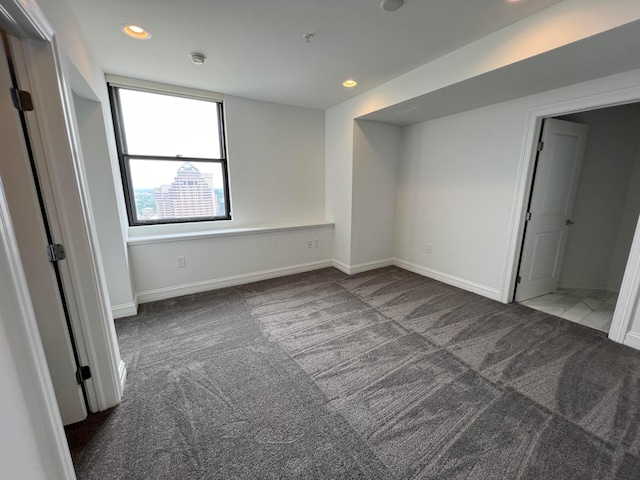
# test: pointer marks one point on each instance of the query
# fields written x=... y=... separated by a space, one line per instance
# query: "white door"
x=554 y=190
x=31 y=234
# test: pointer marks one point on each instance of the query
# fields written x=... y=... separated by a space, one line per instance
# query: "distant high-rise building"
x=208 y=177
x=221 y=208
x=164 y=203
x=189 y=195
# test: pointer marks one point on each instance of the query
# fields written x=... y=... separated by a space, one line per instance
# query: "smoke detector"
x=391 y=5
x=197 y=58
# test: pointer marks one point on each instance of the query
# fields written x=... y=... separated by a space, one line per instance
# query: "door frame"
x=572 y=189
x=29 y=358
x=57 y=144
x=630 y=288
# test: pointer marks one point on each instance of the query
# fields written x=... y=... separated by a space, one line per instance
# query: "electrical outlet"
x=316 y=243
x=309 y=244
x=180 y=262
x=429 y=248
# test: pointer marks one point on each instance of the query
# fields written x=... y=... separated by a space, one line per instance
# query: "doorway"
x=35 y=229
x=603 y=220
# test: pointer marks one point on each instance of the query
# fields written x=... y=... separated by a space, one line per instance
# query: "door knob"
x=569 y=222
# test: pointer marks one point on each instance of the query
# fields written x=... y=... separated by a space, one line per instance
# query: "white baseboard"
x=632 y=339
x=125 y=310
x=197 y=287
x=483 y=290
x=343 y=267
x=122 y=375
x=187 y=289
x=365 y=267
x=361 y=267
x=584 y=286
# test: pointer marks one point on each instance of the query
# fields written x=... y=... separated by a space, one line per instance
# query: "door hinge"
x=527 y=216
x=540 y=146
x=82 y=374
x=56 y=252
x=22 y=100
x=518 y=279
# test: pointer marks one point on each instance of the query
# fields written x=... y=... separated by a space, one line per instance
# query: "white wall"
x=628 y=224
x=610 y=155
x=455 y=191
x=95 y=152
x=457 y=187
x=561 y=24
x=376 y=157
x=339 y=178
x=19 y=452
x=277 y=177
x=276 y=162
x=223 y=261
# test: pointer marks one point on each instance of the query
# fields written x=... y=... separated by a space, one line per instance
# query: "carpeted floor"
x=384 y=374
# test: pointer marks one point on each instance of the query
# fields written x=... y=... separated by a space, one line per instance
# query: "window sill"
x=230 y=232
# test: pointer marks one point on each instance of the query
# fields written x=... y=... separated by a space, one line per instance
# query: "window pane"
x=167 y=190
x=169 y=126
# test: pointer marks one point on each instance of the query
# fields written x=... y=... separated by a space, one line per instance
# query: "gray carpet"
x=384 y=374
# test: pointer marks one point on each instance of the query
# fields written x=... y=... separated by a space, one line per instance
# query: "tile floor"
x=593 y=308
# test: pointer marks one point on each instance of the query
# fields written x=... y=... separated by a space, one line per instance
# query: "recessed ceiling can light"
x=391 y=5
x=136 y=31
x=197 y=58
x=349 y=83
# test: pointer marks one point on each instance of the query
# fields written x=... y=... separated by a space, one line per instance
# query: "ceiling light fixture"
x=391 y=5
x=349 y=83
x=197 y=58
x=136 y=31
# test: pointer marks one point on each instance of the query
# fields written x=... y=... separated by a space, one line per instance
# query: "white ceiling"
x=607 y=53
x=256 y=49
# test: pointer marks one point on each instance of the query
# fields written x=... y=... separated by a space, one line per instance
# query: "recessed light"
x=136 y=31
x=349 y=83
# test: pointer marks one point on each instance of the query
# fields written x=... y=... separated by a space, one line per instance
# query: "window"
x=172 y=154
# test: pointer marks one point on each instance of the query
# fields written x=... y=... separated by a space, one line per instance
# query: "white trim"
x=122 y=374
x=343 y=267
x=632 y=340
x=124 y=310
x=483 y=290
x=197 y=287
x=25 y=19
x=629 y=292
x=630 y=289
x=365 y=267
x=32 y=366
x=230 y=232
x=136 y=84
x=524 y=177
x=361 y=267
x=64 y=186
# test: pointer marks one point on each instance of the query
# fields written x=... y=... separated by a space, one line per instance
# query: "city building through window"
x=172 y=155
